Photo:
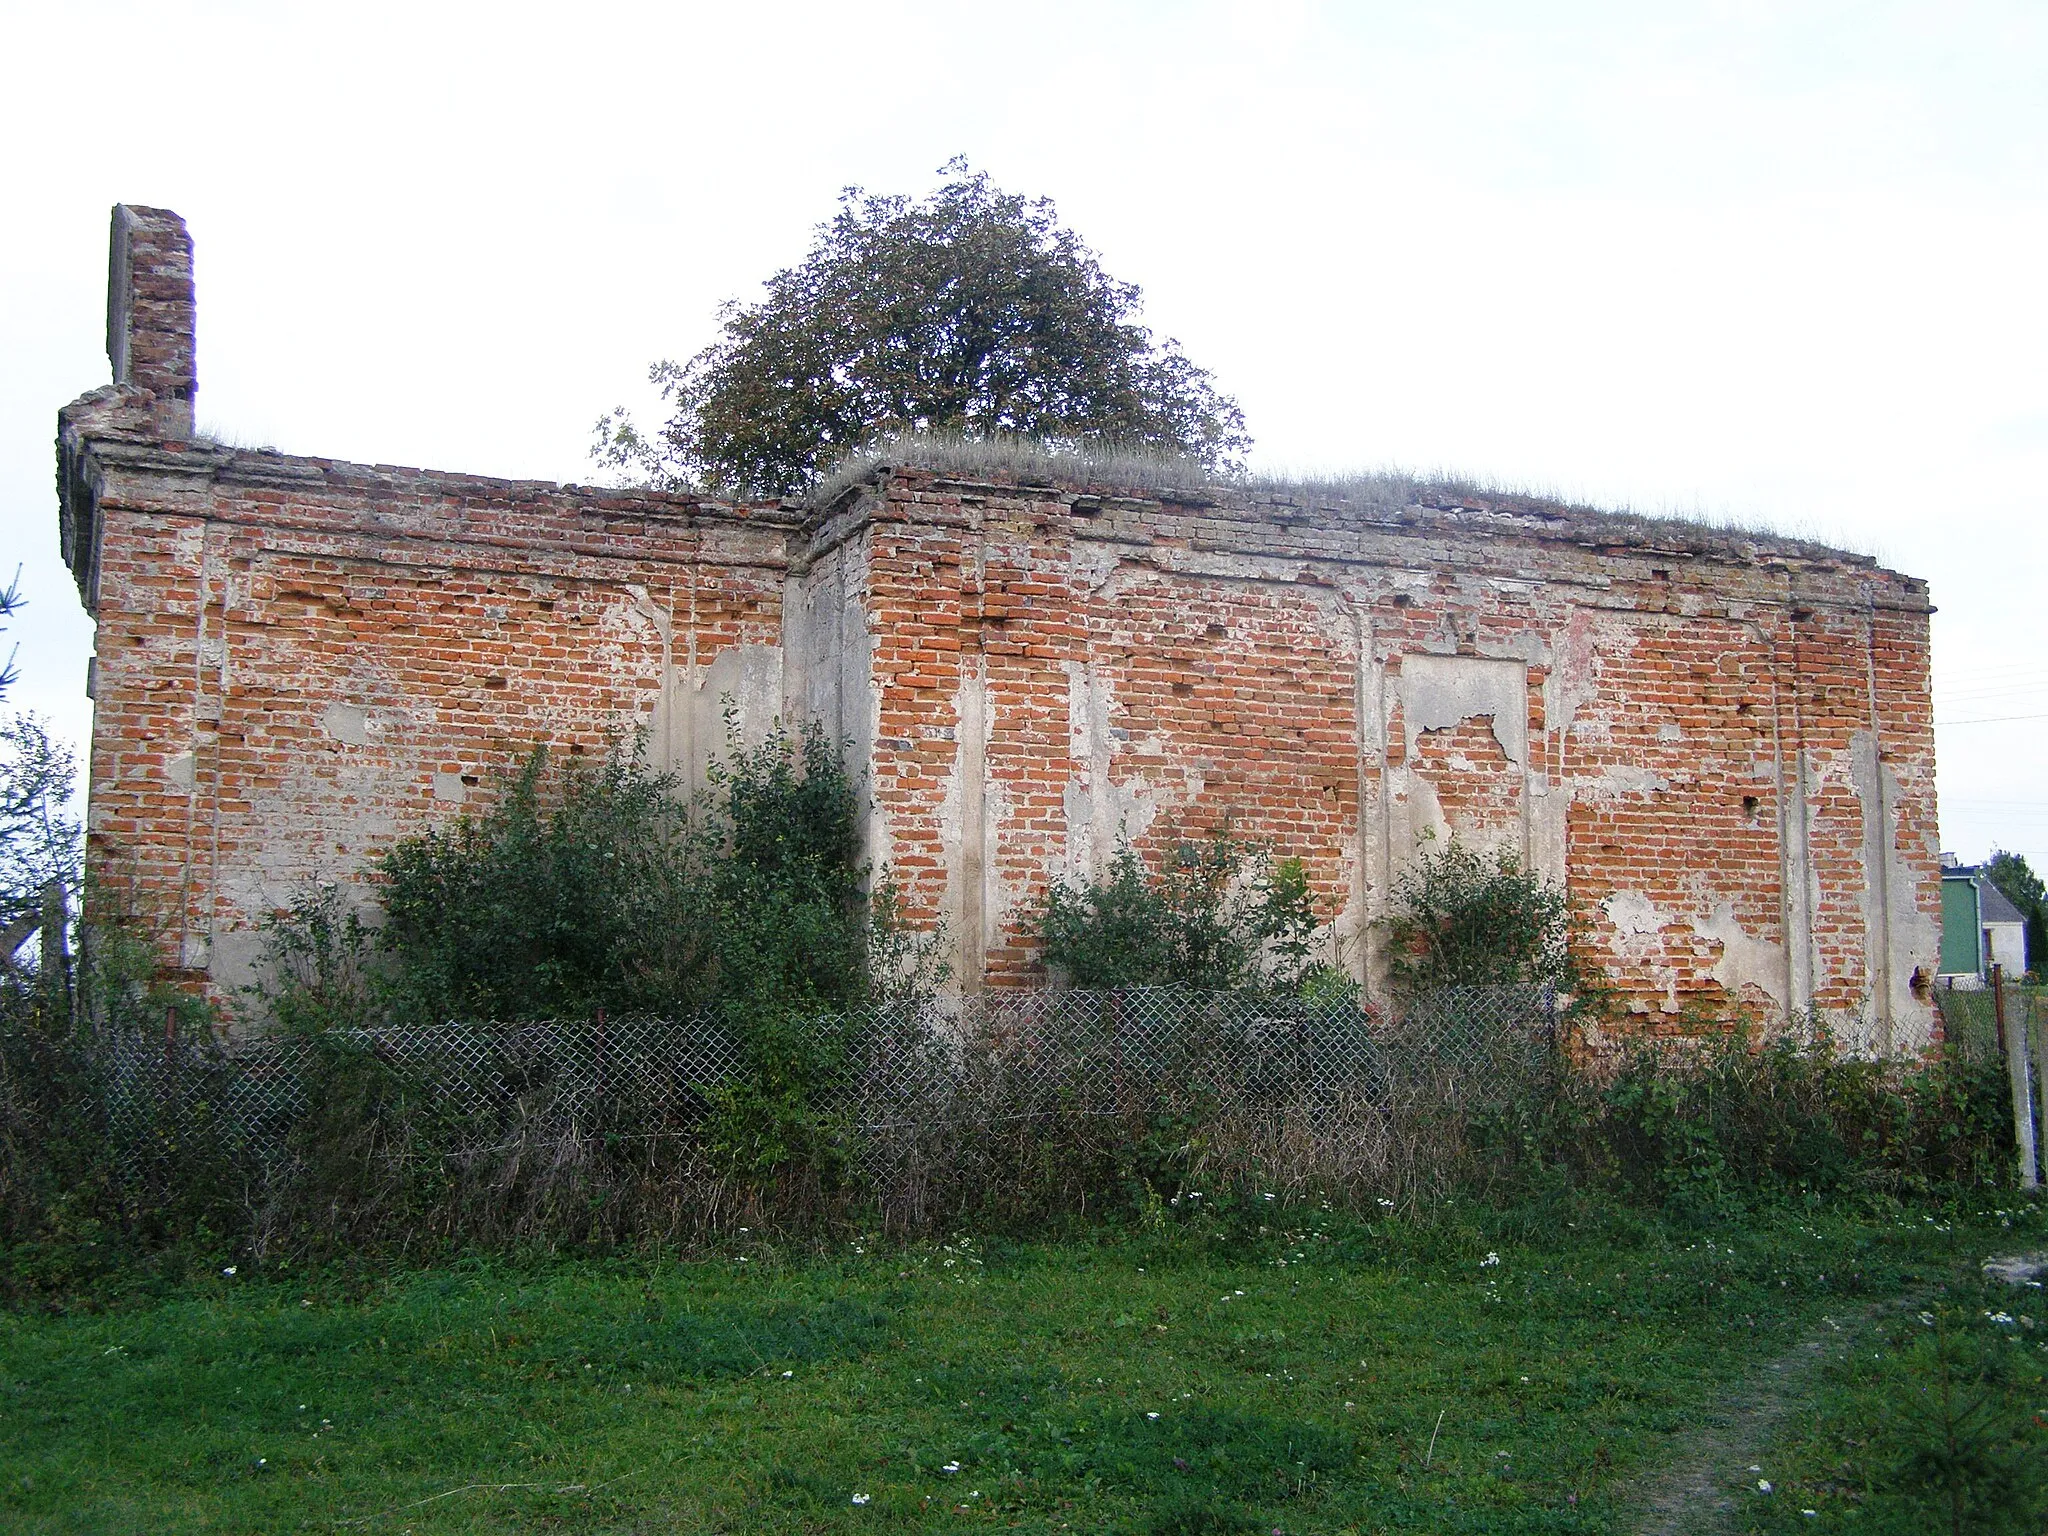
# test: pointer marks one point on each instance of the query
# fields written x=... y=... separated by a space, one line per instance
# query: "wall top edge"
x=1392 y=505
x=232 y=467
x=105 y=425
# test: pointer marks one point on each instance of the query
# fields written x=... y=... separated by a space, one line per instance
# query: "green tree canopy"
x=10 y=601
x=40 y=840
x=972 y=311
x=2024 y=889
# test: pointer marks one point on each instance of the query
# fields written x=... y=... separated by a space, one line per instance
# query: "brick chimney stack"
x=151 y=315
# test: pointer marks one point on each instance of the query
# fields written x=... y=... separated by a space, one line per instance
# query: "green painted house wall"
x=1961 y=929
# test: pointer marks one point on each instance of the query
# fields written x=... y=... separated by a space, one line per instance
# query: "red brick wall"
x=299 y=662
x=1694 y=754
x=1725 y=752
x=1721 y=744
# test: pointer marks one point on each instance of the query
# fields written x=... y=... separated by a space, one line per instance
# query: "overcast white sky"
x=1786 y=262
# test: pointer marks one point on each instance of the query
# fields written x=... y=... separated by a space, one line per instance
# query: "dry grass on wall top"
x=1027 y=462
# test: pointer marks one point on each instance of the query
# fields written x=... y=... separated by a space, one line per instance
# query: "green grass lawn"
x=1934 y=1418
x=1329 y=1377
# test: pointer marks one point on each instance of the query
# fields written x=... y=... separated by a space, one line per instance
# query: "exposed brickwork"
x=1695 y=739
x=1721 y=744
x=298 y=661
x=152 y=314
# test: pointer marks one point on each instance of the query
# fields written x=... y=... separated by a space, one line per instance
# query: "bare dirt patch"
x=1724 y=1460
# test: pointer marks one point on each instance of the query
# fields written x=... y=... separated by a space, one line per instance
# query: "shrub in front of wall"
x=581 y=889
x=1468 y=919
x=588 y=887
x=1216 y=915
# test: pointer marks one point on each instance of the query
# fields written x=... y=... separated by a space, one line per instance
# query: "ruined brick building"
x=1720 y=741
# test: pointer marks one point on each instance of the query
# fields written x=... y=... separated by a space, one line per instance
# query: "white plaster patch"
x=1573 y=682
x=348 y=724
x=1619 y=781
x=1438 y=692
x=178 y=769
x=1633 y=914
x=1898 y=934
x=751 y=677
x=449 y=788
x=1524 y=645
x=1095 y=564
x=1746 y=961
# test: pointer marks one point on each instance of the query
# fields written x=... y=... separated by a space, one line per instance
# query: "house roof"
x=1997 y=907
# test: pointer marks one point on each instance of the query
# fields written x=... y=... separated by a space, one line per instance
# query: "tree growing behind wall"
x=2025 y=890
x=970 y=311
x=1216 y=915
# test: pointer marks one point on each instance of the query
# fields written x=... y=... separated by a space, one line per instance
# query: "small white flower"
x=1151 y=1415
x=2003 y=1319
x=787 y=1374
x=1927 y=1318
x=1489 y=1261
x=229 y=1271
x=1384 y=1204
x=860 y=1498
x=1763 y=1485
x=950 y=1468
x=1809 y=1512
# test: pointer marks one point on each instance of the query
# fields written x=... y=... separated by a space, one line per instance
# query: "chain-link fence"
x=1011 y=1109
x=1969 y=1019
x=908 y=1082
x=2008 y=1026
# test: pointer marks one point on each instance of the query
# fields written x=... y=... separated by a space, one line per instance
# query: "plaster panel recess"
x=1461 y=759
x=1720 y=743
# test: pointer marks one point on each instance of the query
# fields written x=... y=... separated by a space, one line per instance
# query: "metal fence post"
x=171 y=1121
x=2037 y=1018
x=1998 y=1006
x=2014 y=1043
